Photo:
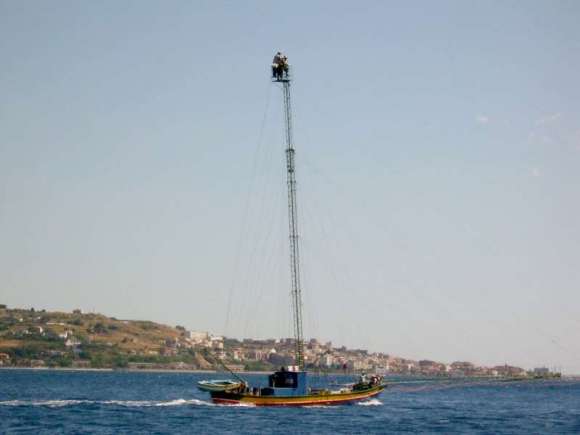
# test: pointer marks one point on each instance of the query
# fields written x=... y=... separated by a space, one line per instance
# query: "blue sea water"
x=42 y=401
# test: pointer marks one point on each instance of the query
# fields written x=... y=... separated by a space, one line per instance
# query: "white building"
x=327 y=360
x=198 y=337
x=72 y=342
x=216 y=342
x=66 y=334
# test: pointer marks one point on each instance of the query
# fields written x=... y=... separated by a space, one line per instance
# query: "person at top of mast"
x=279 y=65
x=276 y=62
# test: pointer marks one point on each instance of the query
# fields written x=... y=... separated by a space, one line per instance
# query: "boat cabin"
x=285 y=383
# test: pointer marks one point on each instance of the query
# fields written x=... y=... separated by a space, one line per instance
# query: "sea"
x=122 y=402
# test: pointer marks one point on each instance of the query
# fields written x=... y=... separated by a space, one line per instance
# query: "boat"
x=219 y=385
x=289 y=386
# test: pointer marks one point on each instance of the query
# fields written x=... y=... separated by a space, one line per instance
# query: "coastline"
x=89 y=369
x=158 y=370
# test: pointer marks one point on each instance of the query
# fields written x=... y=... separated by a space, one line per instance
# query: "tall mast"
x=296 y=290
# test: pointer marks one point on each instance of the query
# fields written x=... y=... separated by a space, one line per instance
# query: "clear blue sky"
x=438 y=144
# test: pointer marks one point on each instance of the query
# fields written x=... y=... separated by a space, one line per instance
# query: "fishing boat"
x=289 y=386
x=216 y=385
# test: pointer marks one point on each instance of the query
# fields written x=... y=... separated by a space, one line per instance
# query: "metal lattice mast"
x=293 y=226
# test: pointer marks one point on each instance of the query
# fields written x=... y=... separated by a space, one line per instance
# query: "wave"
x=235 y=405
x=372 y=402
x=125 y=403
x=146 y=403
x=48 y=403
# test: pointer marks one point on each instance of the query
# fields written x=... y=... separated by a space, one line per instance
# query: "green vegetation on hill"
x=58 y=339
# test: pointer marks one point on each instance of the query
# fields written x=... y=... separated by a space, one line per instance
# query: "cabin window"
x=284 y=380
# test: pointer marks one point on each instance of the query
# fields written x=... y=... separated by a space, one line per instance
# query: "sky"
x=142 y=170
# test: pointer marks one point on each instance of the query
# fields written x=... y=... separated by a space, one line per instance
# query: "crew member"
x=276 y=64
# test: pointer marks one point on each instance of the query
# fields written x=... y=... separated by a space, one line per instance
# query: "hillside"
x=41 y=338
x=32 y=338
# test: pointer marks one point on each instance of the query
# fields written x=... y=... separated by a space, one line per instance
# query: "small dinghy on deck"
x=219 y=385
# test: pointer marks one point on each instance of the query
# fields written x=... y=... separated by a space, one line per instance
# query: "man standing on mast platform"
x=279 y=66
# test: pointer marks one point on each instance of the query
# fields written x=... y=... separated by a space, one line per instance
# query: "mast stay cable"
x=243 y=227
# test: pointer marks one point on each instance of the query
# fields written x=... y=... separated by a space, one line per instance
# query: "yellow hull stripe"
x=323 y=399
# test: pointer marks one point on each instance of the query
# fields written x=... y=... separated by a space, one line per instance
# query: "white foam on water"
x=180 y=402
x=372 y=402
x=60 y=403
x=125 y=403
x=128 y=403
x=149 y=403
x=234 y=405
x=49 y=403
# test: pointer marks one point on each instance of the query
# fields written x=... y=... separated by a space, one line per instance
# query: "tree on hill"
x=99 y=328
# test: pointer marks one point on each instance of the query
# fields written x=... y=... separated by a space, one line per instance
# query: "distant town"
x=37 y=338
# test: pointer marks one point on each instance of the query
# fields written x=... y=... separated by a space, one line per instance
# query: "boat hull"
x=227 y=398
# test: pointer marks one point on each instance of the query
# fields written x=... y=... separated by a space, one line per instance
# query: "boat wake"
x=234 y=405
x=146 y=403
x=124 y=403
x=48 y=403
x=372 y=402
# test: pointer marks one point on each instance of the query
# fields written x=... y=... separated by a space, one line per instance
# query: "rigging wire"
x=422 y=298
x=219 y=362
x=330 y=245
x=267 y=266
x=254 y=269
x=259 y=240
x=246 y=207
